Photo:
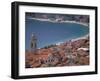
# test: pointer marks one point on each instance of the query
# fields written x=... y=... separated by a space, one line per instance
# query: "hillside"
x=71 y=53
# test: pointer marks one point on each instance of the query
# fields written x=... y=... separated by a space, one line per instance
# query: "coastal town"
x=73 y=52
x=66 y=54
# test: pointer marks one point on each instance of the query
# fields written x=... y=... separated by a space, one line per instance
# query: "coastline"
x=62 y=21
x=55 y=21
x=83 y=37
x=76 y=39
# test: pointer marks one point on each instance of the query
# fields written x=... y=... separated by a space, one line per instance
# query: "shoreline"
x=79 y=38
x=56 y=21
x=76 y=39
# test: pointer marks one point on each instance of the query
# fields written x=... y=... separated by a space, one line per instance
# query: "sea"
x=48 y=33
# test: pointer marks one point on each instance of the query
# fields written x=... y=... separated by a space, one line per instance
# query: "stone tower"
x=33 y=44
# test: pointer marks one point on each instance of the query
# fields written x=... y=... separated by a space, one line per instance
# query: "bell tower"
x=33 y=43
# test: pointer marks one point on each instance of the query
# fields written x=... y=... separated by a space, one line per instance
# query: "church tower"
x=33 y=44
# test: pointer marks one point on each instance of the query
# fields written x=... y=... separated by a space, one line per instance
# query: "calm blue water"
x=50 y=33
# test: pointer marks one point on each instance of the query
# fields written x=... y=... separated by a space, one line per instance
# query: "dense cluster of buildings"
x=71 y=53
